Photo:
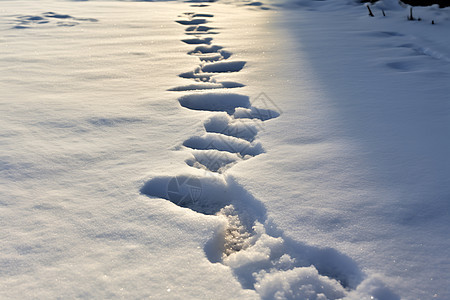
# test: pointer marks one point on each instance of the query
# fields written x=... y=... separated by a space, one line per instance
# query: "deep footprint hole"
x=226 y=102
x=224 y=67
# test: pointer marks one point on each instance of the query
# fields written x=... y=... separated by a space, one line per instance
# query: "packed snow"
x=285 y=149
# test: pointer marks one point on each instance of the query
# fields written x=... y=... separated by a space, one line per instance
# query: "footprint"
x=212 y=160
x=223 y=67
x=32 y=18
x=221 y=142
x=51 y=14
x=184 y=191
x=198 y=28
x=196 y=76
x=210 y=57
x=224 y=124
x=231 y=84
x=205 y=50
x=215 y=102
x=255 y=113
x=208 y=86
x=192 y=22
x=197 y=41
x=221 y=55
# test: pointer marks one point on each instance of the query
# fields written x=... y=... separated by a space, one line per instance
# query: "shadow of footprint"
x=197 y=41
x=192 y=22
x=257 y=252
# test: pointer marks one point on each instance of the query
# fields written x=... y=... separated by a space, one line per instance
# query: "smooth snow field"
x=224 y=150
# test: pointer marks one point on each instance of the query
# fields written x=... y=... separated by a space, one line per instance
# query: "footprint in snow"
x=197 y=41
x=198 y=30
x=199 y=5
x=192 y=22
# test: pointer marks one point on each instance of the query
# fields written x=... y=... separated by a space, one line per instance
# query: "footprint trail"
x=259 y=255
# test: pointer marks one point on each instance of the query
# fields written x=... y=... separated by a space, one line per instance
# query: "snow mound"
x=298 y=283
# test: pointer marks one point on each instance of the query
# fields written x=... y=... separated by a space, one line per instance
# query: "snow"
x=277 y=150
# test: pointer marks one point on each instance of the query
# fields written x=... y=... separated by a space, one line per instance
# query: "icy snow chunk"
x=298 y=283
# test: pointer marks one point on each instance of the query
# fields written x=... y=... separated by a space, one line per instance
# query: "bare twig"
x=370 y=11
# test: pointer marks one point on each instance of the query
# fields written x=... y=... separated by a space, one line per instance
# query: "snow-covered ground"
x=303 y=147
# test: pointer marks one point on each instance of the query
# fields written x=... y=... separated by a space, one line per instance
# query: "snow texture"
x=285 y=149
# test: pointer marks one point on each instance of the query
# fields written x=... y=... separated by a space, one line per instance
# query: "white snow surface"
x=278 y=150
